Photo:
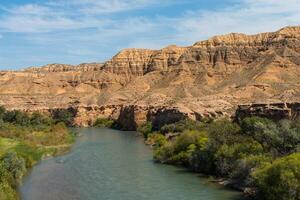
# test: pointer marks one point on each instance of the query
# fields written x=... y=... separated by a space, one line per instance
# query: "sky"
x=39 y=32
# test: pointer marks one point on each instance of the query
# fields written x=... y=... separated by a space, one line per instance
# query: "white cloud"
x=108 y=6
x=66 y=15
x=251 y=16
x=28 y=9
x=94 y=27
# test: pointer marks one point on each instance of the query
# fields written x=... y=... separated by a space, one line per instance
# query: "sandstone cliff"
x=208 y=79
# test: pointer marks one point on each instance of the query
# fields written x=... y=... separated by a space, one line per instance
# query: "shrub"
x=14 y=164
x=65 y=116
x=17 y=117
x=227 y=155
x=29 y=153
x=156 y=139
x=181 y=126
x=202 y=158
x=280 y=179
x=38 y=119
x=242 y=170
x=223 y=132
x=145 y=129
x=280 y=138
x=290 y=137
x=2 y=112
x=102 y=122
x=179 y=152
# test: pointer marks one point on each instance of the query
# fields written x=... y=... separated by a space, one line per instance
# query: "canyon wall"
x=208 y=79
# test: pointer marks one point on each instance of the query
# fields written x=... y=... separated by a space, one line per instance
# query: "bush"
x=145 y=129
x=223 y=132
x=156 y=139
x=290 y=137
x=227 y=155
x=281 y=138
x=181 y=126
x=38 y=119
x=14 y=164
x=102 y=123
x=242 y=171
x=29 y=153
x=180 y=151
x=281 y=179
x=65 y=116
x=17 y=117
x=202 y=160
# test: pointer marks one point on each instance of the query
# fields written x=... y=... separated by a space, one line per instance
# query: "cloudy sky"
x=35 y=32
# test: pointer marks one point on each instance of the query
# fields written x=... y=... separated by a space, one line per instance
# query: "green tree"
x=65 y=116
x=280 y=179
x=102 y=122
x=145 y=129
x=263 y=130
x=37 y=119
x=2 y=112
x=14 y=164
x=17 y=117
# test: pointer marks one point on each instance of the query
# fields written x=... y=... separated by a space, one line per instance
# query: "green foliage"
x=227 y=156
x=243 y=168
x=156 y=139
x=280 y=179
x=145 y=129
x=65 y=116
x=38 y=119
x=17 y=117
x=180 y=150
x=12 y=169
x=223 y=132
x=14 y=164
x=180 y=126
x=31 y=154
x=280 y=138
x=243 y=153
x=102 y=123
x=24 y=139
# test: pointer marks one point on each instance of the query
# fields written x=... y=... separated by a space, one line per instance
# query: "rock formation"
x=208 y=79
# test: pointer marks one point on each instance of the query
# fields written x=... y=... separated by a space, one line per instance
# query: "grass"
x=7 y=144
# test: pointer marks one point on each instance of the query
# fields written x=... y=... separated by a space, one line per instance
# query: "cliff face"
x=208 y=79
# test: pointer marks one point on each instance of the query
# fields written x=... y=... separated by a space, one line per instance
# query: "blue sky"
x=35 y=32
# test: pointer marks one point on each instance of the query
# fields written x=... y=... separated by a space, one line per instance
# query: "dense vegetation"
x=104 y=123
x=257 y=154
x=24 y=140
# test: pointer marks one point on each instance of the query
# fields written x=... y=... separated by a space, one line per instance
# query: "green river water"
x=106 y=164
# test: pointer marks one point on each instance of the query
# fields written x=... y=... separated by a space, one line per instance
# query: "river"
x=107 y=164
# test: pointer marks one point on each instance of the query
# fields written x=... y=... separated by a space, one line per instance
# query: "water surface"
x=106 y=164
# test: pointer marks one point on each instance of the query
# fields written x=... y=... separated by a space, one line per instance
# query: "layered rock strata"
x=208 y=79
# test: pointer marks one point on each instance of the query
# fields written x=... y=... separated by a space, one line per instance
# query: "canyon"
x=231 y=75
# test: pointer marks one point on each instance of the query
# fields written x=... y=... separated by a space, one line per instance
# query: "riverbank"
x=115 y=165
x=25 y=139
x=253 y=155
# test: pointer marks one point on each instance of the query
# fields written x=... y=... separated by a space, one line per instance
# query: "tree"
x=145 y=129
x=38 y=119
x=14 y=164
x=64 y=116
x=280 y=179
x=263 y=130
x=290 y=137
x=2 y=112
x=17 y=117
x=102 y=122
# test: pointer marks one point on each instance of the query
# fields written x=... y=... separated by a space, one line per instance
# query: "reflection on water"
x=112 y=165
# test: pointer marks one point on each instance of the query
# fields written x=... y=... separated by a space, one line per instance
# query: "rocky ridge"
x=208 y=79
